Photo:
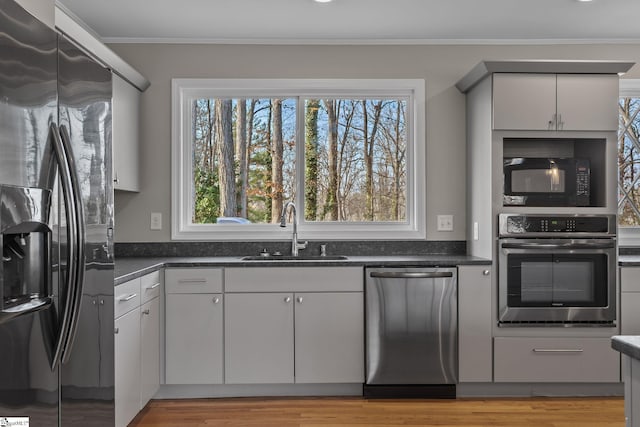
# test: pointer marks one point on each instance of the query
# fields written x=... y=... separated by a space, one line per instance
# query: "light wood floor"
x=349 y=411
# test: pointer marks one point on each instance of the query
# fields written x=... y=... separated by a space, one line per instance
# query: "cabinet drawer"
x=555 y=360
x=126 y=297
x=150 y=286
x=193 y=280
x=294 y=279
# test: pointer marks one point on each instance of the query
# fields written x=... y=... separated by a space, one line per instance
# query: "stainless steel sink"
x=294 y=258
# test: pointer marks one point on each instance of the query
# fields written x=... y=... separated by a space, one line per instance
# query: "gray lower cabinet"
x=127 y=364
x=193 y=331
x=629 y=300
x=475 y=320
x=572 y=360
x=137 y=345
x=259 y=338
x=149 y=350
x=328 y=331
x=294 y=325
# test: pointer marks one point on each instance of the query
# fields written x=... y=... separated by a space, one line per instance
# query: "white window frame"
x=628 y=236
x=185 y=91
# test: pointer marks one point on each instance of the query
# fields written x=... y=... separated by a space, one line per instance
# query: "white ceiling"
x=361 y=21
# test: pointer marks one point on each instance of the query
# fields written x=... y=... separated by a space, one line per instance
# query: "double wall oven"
x=557 y=270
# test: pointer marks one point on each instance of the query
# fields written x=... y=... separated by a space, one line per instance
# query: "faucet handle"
x=302 y=245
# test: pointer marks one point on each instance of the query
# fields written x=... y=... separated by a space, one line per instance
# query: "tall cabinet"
x=536 y=109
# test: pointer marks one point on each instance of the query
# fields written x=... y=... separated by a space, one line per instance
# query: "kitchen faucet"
x=295 y=246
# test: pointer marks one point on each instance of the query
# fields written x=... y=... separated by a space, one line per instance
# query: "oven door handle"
x=594 y=245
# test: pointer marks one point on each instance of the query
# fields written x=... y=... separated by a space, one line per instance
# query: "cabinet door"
x=126 y=119
x=150 y=350
x=475 y=318
x=587 y=102
x=630 y=301
x=127 y=367
x=329 y=337
x=259 y=338
x=193 y=339
x=629 y=313
x=524 y=101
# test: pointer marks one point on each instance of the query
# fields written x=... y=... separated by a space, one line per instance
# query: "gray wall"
x=441 y=66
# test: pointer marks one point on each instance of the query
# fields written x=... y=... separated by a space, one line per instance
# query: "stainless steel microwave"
x=537 y=181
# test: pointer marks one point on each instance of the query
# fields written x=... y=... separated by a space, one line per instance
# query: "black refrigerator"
x=56 y=229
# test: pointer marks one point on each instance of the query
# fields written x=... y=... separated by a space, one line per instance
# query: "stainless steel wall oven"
x=557 y=270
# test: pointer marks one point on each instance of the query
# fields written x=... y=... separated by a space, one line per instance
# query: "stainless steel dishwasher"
x=411 y=332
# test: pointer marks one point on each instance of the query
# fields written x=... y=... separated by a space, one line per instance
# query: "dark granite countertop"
x=627 y=344
x=131 y=268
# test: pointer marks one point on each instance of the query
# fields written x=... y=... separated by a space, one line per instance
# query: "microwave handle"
x=594 y=245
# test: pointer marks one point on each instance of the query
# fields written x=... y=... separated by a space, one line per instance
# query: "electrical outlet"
x=445 y=222
x=156 y=221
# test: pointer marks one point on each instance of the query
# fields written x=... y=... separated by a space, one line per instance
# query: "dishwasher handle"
x=411 y=275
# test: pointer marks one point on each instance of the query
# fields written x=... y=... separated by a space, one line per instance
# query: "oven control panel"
x=511 y=224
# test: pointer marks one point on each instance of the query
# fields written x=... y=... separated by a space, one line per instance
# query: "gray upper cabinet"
x=126 y=129
x=555 y=102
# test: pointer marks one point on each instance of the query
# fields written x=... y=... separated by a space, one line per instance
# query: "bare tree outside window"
x=629 y=162
x=244 y=159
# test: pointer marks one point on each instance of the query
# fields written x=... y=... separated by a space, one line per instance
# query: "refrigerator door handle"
x=79 y=264
x=72 y=229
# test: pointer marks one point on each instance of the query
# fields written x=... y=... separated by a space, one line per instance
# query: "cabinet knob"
x=485 y=272
x=116 y=330
x=216 y=300
x=299 y=299
x=287 y=299
x=145 y=311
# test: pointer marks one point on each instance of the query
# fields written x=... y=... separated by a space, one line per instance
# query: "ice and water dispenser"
x=25 y=239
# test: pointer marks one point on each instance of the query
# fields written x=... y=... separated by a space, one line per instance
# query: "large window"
x=348 y=153
x=629 y=162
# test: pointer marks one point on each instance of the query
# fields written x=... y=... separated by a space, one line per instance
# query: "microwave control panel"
x=549 y=224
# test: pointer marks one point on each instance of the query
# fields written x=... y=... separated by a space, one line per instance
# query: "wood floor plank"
x=358 y=412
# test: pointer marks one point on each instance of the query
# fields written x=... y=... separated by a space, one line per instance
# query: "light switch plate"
x=445 y=222
x=156 y=221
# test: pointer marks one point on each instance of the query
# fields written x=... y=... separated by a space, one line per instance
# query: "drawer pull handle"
x=128 y=298
x=152 y=287
x=558 y=350
x=192 y=281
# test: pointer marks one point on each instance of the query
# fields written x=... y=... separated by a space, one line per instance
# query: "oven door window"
x=545 y=280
